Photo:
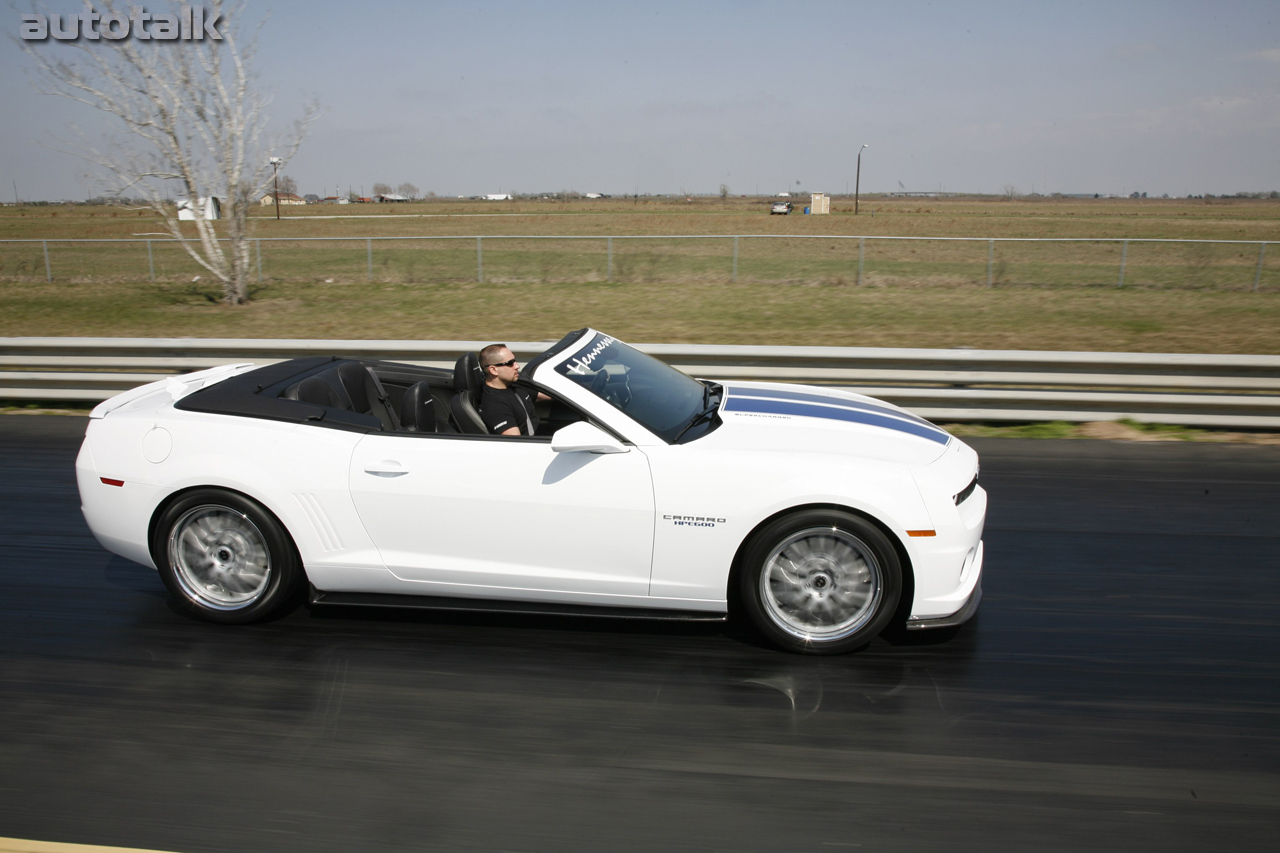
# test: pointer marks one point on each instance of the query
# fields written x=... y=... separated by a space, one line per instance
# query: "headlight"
x=963 y=494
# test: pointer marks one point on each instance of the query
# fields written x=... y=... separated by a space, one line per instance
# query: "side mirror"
x=585 y=437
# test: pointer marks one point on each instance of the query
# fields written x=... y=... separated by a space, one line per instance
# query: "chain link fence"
x=858 y=260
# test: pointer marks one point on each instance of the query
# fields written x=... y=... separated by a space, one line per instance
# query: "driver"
x=506 y=408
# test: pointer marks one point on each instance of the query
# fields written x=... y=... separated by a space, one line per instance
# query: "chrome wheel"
x=219 y=557
x=821 y=584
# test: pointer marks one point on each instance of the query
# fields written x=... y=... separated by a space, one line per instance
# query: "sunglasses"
x=511 y=363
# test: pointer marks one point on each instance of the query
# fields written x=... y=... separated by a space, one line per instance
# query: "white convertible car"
x=820 y=516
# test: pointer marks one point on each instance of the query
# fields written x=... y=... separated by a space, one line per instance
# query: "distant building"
x=285 y=198
x=311 y=198
x=498 y=197
x=391 y=197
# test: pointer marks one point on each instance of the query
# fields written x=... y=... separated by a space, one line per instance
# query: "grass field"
x=1177 y=297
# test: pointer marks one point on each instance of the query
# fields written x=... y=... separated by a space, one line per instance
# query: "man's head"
x=499 y=366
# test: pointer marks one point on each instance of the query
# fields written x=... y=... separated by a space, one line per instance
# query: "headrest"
x=417 y=409
x=467 y=375
x=355 y=381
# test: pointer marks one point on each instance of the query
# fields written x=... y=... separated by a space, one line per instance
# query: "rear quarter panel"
x=298 y=472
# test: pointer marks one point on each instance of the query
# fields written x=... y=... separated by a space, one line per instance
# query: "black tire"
x=225 y=558
x=820 y=582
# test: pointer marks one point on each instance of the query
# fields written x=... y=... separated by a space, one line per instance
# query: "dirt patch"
x=1116 y=431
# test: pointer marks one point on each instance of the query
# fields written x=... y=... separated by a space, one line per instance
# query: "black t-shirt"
x=502 y=409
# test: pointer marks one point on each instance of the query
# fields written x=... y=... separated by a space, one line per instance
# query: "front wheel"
x=225 y=558
x=820 y=581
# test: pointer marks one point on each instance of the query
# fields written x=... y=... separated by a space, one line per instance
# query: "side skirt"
x=481 y=605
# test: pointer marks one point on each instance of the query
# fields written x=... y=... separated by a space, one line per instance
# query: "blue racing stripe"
x=787 y=407
x=801 y=397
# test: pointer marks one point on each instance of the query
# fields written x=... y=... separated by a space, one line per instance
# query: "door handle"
x=386 y=468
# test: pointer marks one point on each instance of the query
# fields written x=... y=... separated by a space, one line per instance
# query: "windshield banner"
x=581 y=363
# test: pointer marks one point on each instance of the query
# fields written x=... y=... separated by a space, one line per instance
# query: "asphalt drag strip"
x=1119 y=689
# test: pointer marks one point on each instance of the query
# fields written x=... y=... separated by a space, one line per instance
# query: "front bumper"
x=969 y=596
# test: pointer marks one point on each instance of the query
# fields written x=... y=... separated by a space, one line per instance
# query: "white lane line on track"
x=22 y=845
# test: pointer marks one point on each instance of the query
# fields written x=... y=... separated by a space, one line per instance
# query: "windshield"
x=659 y=397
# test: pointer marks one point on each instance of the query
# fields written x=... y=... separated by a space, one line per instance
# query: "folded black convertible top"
x=256 y=394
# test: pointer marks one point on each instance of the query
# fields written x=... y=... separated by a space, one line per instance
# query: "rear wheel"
x=820 y=581
x=225 y=558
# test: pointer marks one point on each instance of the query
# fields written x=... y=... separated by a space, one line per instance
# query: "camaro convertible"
x=822 y=517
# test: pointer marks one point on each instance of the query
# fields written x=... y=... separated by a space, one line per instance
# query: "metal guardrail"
x=1240 y=391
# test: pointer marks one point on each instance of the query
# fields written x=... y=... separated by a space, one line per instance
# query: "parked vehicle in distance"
x=780 y=207
x=822 y=516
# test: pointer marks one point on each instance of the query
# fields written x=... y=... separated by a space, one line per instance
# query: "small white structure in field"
x=204 y=208
x=819 y=203
x=498 y=197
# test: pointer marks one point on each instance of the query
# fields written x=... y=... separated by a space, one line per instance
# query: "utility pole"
x=857 y=180
x=275 y=164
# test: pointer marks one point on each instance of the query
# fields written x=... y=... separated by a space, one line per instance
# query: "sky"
x=467 y=98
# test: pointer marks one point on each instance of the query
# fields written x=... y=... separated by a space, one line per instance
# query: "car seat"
x=366 y=393
x=468 y=382
x=315 y=391
x=417 y=409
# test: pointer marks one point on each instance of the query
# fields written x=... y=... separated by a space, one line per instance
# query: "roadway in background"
x=1119 y=690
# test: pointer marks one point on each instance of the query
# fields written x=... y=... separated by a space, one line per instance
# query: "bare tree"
x=288 y=185
x=382 y=189
x=724 y=192
x=407 y=190
x=188 y=114
x=1010 y=192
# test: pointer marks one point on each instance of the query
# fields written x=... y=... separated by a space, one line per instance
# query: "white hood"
x=796 y=418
